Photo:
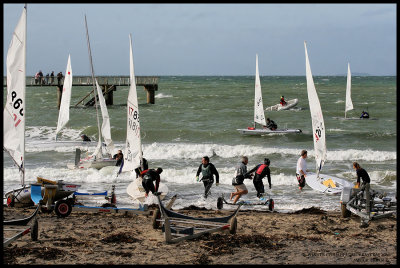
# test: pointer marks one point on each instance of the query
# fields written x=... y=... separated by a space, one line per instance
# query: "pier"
x=108 y=84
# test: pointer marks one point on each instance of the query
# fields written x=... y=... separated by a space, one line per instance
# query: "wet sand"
x=309 y=236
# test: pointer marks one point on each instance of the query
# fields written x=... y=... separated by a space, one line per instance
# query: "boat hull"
x=318 y=185
x=353 y=118
x=97 y=164
x=136 y=191
x=245 y=131
x=279 y=107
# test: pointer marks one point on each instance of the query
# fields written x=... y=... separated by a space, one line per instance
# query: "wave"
x=162 y=96
x=162 y=151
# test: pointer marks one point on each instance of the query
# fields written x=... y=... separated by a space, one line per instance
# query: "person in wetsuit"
x=261 y=170
x=119 y=157
x=208 y=171
x=364 y=114
x=85 y=138
x=150 y=175
x=363 y=175
x=237 y=181
x=271 y=124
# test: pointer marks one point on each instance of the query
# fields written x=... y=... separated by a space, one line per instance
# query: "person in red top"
x=282 y=102
x=261 y=170
x=150 y=175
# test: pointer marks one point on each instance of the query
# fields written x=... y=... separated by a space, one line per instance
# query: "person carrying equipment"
x=237 y=181
x=261 y=170
x=150 y=175
x=362 y=174
x=208 y=171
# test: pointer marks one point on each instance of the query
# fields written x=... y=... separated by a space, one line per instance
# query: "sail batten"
x=317 y=119
x=259 y=116
x=14 y=110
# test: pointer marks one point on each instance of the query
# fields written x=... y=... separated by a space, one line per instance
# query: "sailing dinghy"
x=259 y=116
x=97 y=160
x=323 y=183
x=349 y=103
x=14 y=117
x=133 y=155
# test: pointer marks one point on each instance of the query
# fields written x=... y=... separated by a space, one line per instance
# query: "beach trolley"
x=262 y=202
x=354 y=200
x=178 y=227
x=64 y=207
x=20 y=227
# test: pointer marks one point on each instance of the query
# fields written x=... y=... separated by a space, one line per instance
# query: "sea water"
x=195 y=116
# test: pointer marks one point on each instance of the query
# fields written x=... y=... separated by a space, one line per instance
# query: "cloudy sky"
x=208 y=39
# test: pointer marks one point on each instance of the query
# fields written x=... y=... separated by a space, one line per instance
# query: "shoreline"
x=307 y=236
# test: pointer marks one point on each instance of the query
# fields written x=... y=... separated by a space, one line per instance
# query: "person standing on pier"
x=52 y=78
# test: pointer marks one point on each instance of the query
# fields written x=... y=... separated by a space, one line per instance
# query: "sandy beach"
x=308 y=236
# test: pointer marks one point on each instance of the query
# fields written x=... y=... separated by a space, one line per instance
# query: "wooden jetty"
x=108 y=84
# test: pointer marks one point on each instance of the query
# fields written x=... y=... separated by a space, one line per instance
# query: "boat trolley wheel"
x=233 y=225
x=271 y=204
x=35 y=230
x=220 y=203
x=156 y=216
x=63 y=208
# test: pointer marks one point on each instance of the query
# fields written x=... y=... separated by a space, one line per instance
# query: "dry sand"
x=309 y=236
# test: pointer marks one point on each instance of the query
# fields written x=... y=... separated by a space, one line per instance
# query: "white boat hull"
x=136 y=191
x=246 y=131
x=353 y=118
x=317 y=183
x=279 y=107
x=97 y=164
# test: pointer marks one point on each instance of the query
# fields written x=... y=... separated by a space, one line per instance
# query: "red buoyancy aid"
x=261 y=168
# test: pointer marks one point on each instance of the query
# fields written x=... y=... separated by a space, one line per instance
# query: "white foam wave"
x=195 y=151
x=162 y=96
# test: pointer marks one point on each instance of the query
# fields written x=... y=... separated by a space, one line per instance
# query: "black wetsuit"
x=149 y=176
x=119 y=160
x=262 y=170
x=208 y=179
x=361 y=173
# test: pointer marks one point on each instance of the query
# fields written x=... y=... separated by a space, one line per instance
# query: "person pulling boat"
x=261 y=170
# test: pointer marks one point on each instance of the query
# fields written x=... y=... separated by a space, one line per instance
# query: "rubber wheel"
x=156 y=216
x=345 y=212
x=233 y=225
x=220 y=203
x=35 y=230
x=63 y=208
x=271 y=204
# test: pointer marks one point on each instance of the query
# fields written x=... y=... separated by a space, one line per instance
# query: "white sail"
x=349 y=103
x=133 y=149
x=63 y=116
x=14 y=110
x=317 y=119
x=258 y=101
x=105 y=126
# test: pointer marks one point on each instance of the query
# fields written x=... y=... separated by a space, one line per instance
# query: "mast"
x=23 y=121
x=93 y=79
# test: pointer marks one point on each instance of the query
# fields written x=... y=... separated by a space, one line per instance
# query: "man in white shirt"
x=301 y=169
